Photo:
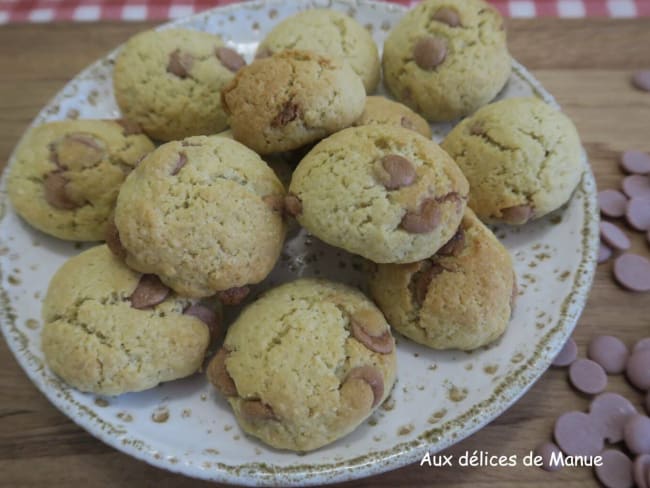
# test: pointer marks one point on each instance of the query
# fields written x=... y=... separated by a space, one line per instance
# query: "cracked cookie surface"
x=460 y=298
x=200 y=214
x=66 y=175
x=97 y=341
x=385 y=193
x=522 y=157
x=169 y=82
x=383 y=111
x=445 y=58
x=290 y=99
x=330 y=33
x=305 y=364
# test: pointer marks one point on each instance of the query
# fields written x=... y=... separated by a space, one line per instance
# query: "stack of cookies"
x=195 y=220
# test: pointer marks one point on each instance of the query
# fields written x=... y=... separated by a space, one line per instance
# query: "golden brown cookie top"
x=66 y=174
x=203 y=215
x=290 y=99
x=384 y=111
x=109 y=329
x=326 y=359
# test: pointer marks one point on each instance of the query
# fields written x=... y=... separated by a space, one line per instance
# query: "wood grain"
x=586 y=64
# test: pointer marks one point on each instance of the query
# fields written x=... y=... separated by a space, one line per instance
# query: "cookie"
x=109 y=330
x=169 y=82
x=331 y=33
x=324 y=362
x=383 y=111
x=290 y=99
x=66 y=175
x=445 y=59
x=280 y=163
x=385 y=193
x=522 y=157
x=204 y=214
x=460 y=298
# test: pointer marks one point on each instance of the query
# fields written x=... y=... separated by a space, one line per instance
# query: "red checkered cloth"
x=132 y=10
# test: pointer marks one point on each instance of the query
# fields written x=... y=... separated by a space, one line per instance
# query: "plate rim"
x=510 y=388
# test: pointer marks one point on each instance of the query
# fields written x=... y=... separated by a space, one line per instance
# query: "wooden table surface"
x=586 y=64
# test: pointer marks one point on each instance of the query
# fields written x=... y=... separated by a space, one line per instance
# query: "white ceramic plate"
x=439 y=399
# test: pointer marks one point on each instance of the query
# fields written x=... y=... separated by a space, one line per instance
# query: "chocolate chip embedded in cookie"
x=66 y=175
x=180 y=63
x=324 y=363
x=78 y=151
x=368 y=326
x=149 y=292
x=290 y=99
x=396 y=172
x=448 y=16
x=54 y=187
x=380 y=191
x=459 y=298
x=372 y=377
x=423 y=220
x=218 y=374
x=230 y=58
x=429 y=52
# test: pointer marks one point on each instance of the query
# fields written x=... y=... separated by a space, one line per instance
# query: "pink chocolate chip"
x=637 y=213
x=610 y=352
x=636 y=186
x=637 y=434
x=567 y=354
x=635 y=162
x=612 y=203
x=587 y=376
x=641 y=471
x=611 y=411
x=547 y=450
x=641 y=79
x=604 y=253
x=638 y=369
x=206 y=315
x=642 y=344
x=615 y=470
x=578 y=435
x=614 y=237
x=632 y=272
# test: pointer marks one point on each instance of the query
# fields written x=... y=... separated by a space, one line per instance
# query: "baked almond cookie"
x=290 y=99
x=204 y=214
x=522 y=157
x=66 y=175
x=383 y=111
x=324 y=362
x=460 y=298
x=169 y=82
x=330 y=33
x=385 y=193
x=109 y=330
x=446 y=58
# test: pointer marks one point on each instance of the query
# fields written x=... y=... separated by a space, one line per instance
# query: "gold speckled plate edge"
x=509 y=389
